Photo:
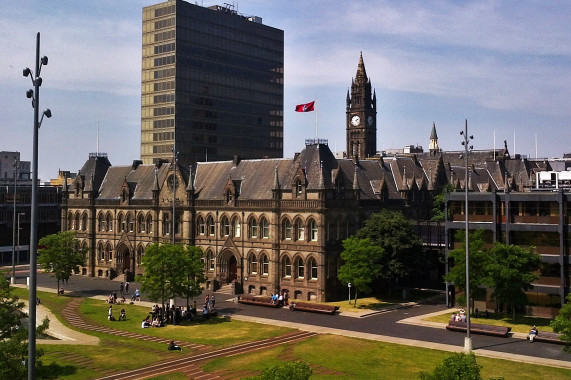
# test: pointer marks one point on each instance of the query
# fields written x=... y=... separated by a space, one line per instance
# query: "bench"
x=313 y=307
x=501 y=331
x=548 y=337
x=258 y=300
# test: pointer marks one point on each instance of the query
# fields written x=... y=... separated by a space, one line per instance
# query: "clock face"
x=355 y=120
x=371 y=121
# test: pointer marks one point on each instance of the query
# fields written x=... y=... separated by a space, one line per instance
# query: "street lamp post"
x=349 y=286
x=19 y=215
x=35 y=96
x=16 y=166
x=468 y=339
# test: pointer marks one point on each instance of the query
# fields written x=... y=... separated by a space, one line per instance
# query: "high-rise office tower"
x=212 y=84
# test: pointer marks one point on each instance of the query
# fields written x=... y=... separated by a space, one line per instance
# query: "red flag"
x=305 y=107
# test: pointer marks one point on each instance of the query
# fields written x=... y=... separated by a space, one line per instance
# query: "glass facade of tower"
x=212 y=80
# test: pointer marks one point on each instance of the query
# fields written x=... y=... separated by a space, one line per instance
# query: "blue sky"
x=504 y=66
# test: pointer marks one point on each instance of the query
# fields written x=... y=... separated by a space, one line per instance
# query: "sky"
x=504 y=66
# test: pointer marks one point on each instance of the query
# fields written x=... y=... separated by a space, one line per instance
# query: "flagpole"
x=316 y=129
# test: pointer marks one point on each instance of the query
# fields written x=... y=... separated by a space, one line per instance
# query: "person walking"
x=121 y=288
x=126 y=287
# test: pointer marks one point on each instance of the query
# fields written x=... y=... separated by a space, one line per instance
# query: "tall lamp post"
x=19 y=215
x=16 y=167
x=35 y=96
x=174 y=183
x=468 y=339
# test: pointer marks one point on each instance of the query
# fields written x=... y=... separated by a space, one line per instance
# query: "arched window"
x=211 y=260
x=298 y=187
x=210 y=225
x=149 y=223
x=286 y=267
x=236 y=227
x=100 y=255
x=84 y=222
x=253 y=264
x=299 y=230
x=313 y=266
x=265 y=264
x=313 y=229
x=299 y=268
x=109 y=219
x=228 y=196
x=140 y=253
x=265 y=228
x=141 y=224
x=201 y=226
x=253 y=229
x=101 y=223
x=76 y=225
x=166 y=224
x=108 y=252
x=121 y=223
x=130 y=222
x=286 y=230
x=225 y=226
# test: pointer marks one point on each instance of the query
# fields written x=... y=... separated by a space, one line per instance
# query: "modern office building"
x=212 y=80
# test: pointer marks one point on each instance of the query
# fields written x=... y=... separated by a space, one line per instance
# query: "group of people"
x=281 y=299
x=122 y=315
x=208 y=309
x=458 y=317
x=113 y=298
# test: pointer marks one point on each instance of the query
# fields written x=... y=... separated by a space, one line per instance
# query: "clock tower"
x=361 y=116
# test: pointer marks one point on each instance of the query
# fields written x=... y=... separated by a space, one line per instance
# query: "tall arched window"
x=299 y=268
x=149 y=223
x=100 y=255
x=130 y=222
x=313 y=268
x=211 y=261
x=236 y=227
x=141 y=227
x=225 y=226
x=140 y=253
x=299 y=230
x=109 y=219
x=253 y=264
x=286 y=267
x=108 y=252
x=101 y=222
x=313 y=229
x=286 y=228
x=166 y=224
x=265 y=264
x=201 y=226
x=121 y=222
x=265 y=225
x=253 y=228
x=210 y=225
x=84 y=222
x=76 y=225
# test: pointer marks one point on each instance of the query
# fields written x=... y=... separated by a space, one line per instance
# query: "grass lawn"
x=523 y=323
x=215 y=331
x=363 y=359
x=381 y=301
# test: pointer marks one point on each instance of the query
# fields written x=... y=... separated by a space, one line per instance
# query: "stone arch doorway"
x=229 y=267
x=123 y=259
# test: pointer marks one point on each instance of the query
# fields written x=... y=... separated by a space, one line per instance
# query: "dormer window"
x=228 y=196
x=298 y=187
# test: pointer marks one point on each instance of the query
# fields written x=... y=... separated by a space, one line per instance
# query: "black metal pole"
x=13 y=279
x=34 y=223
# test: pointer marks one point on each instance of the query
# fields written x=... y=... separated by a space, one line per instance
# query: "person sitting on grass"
x=173 y=347
x=146 y=323
x=122 y=316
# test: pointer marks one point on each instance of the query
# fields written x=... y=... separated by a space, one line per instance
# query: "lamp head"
x=29 y=93
x=44 y=60
x=48 y=113
x=26 y=71
x=38 y=81
x=461 y=133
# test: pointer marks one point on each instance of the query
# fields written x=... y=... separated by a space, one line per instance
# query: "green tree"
x=511 y=270
x=191 y=285
x=61 y=255
x=170 y=270
x=439 y=203
x=13 y=337
x=457 y=366
x=288 y=371
x=402 y=248
x=361 y=264
x=479 y=262
x=562 y=323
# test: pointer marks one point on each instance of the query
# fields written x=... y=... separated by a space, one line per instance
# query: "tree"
x=288 y=371
x=479 y=261
x=562 y=323
x=402 y=248
x=170 y=270
x=511 y=270
x=439 y=203
x=61 y=255
x=13 y=337
x=457 y=366
x=361 y=264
